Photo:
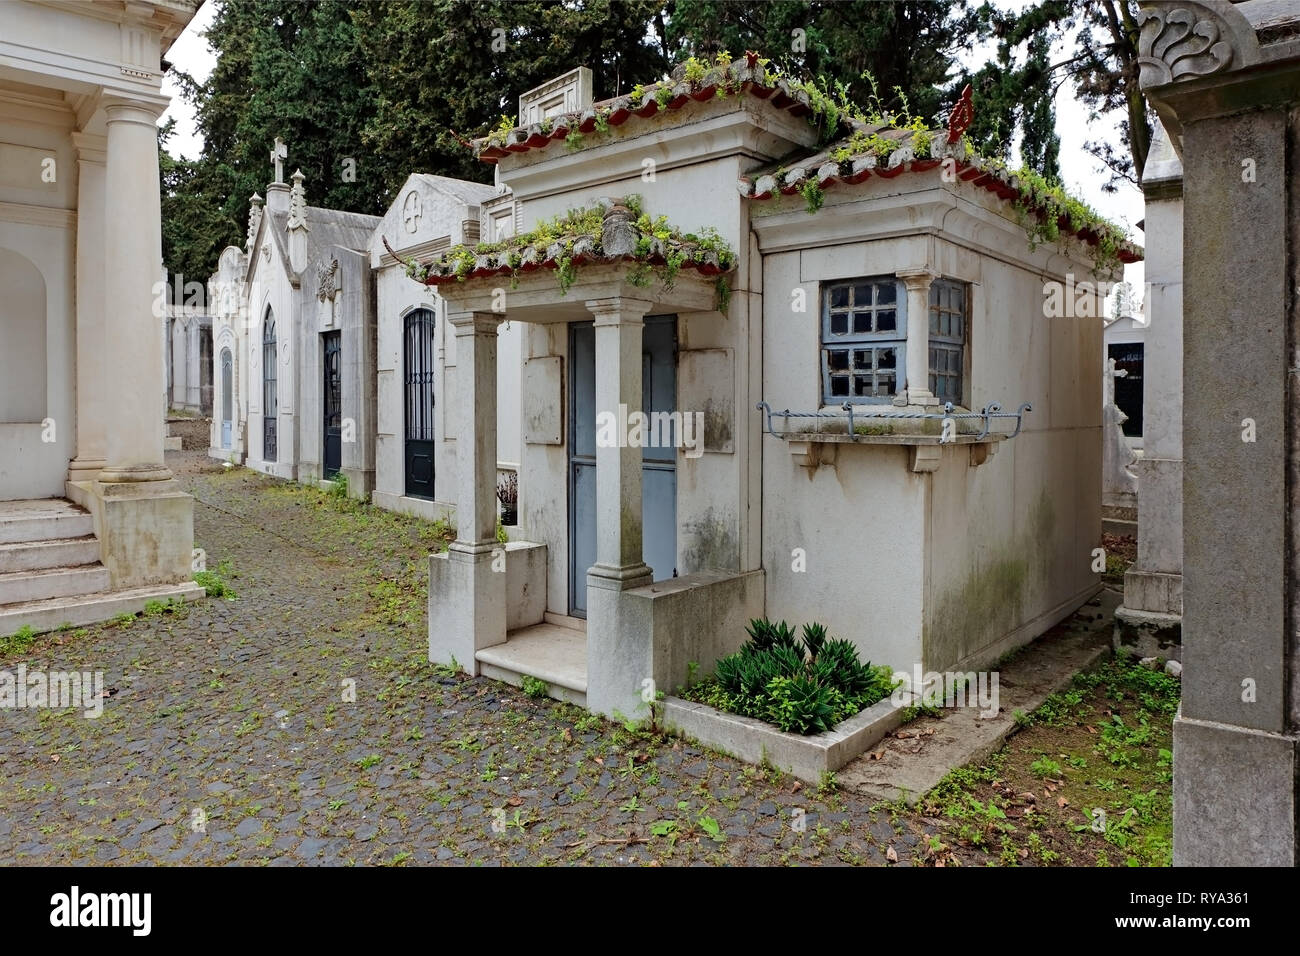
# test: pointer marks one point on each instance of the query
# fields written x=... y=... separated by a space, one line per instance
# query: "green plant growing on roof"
x=812 y=193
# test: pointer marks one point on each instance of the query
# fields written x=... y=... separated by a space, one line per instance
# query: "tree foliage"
x=395 y=86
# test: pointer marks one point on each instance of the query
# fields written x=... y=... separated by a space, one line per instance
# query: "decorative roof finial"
x=963 y=112
x=297 y=202
x=254 y=219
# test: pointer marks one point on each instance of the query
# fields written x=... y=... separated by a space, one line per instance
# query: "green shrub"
x=802 y=687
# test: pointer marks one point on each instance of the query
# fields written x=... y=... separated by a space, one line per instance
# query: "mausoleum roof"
x=617 y=231
x=865 y=144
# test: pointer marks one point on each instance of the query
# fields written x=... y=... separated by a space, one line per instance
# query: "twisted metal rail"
x=987 y=414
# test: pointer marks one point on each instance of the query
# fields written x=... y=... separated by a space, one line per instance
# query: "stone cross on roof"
x=278 y=155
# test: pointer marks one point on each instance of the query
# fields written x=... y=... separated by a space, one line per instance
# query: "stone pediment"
x=430 y=212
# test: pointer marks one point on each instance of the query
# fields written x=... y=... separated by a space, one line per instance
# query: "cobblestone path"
x=227 y=734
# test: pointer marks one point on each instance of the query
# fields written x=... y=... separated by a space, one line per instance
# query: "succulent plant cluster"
x=803 y=685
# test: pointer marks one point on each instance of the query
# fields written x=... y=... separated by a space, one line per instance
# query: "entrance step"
x=547 y=652
x=86 y=609
x=48 y=553
x=42 y=519
x=19 y=587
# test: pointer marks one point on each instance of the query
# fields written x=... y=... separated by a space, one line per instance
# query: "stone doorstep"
x=548 y=652
x=87 y=609
x=806 y=757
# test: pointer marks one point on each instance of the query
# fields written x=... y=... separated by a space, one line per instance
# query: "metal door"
x=659 y=454
x=270 y=397
x=418 y=378
x=227 y=397
x=332 y=402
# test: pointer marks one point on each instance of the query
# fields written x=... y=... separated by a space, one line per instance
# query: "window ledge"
x=813 y=449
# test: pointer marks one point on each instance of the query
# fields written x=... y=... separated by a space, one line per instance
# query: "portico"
x=82 y=377
x=510 y=607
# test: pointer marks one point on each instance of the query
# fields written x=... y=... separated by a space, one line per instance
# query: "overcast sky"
x=1083 y=175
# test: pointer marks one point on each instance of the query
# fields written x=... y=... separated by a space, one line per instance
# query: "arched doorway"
x=227 y=397
x=270 y=397
x=418 y=387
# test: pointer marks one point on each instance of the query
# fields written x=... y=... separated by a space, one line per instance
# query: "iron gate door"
x=658 y=456
x=227 y=399
x=332 y=350
x=270 y=397
x=418 y=378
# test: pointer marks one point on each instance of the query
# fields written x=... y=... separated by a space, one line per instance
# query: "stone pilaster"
x=92 y=446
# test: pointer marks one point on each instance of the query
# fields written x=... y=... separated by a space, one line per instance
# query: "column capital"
x=917 y=279
x=129 y=109
x=476 y=323
x=619 y=310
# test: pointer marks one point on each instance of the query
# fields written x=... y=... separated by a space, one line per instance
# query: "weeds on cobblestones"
x=20 y=640
x=214 y=582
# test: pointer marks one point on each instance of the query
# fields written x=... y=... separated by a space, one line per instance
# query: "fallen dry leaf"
x=1024 y=853
x=1030 y=796
x=798 y=785
x=891 y=856
x=1091 y=729
x=599 y=760
x=54 y=757
x=515 y=801
x=878 y=755
x=1050 y=788
x=903 y=735
x=926 y=733
x=1062 y=802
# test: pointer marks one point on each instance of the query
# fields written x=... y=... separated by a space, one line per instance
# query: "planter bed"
x=806 y=757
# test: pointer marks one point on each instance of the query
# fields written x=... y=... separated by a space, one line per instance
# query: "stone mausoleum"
x=893 y=438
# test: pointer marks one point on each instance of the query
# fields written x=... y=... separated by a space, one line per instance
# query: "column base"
x=467 y=605
x=146 y=531
x=620 y=654
x=119 y=474
x=609 y=577
x=1234 y=795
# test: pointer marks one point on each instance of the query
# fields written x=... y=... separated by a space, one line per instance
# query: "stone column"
x=918 y=337
x=132 y=353
x=619 y=326
x=92 y=241
x=1229 y=103
x=617 y=662
x=467 y=584
x=476 y=431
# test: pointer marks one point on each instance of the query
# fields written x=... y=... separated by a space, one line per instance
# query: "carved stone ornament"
x=328 y=283
x=1179 y=42
x=254 y=219
x=412 y=210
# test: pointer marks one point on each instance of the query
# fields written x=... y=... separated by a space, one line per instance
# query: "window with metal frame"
x=949 y=318
x=864 y=339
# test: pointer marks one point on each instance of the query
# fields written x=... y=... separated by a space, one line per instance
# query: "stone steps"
x=42 y=520
x=80 y=610
x=48 y=553
x=20 y=587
